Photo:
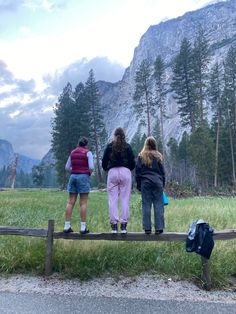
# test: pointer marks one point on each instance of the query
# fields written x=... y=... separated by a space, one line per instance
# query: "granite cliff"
x=219 y=21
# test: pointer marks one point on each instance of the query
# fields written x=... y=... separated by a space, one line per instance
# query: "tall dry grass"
x=89 y=259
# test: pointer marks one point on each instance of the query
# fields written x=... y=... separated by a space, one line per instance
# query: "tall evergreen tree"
x=230 y=104
x=144 y=104
x=81 y=114
x=183 y=85
x=215 y=95
x=230 y=81
x=228 y=131
x=184 y=158
x=160 y=94
x=200 y=64
x=138 y=141
x=64 y=135
x=156 y=133
x=38 y=175
x=201 y=150
x=173 y=159
x=97 y=129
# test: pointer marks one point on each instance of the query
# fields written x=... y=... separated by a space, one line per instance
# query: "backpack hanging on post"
x=200 y=238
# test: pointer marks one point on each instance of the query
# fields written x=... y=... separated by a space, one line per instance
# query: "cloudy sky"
x=44 y=44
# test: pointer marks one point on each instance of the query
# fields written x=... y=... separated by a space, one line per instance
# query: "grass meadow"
x=89 y=259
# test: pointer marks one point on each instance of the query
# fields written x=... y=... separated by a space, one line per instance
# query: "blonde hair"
x=149 y=151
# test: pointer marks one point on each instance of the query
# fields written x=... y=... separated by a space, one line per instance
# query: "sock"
x=82 y=226
x=67 y=225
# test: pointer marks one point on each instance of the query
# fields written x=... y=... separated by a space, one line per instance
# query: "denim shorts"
x=79 y=183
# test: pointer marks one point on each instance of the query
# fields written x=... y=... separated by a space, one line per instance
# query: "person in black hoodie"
x=150 y=178
x=118 y=160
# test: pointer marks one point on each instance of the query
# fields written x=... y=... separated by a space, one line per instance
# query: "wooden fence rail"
x=50 y=235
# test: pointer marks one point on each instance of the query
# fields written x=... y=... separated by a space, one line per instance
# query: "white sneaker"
x=114 y=228
x=123 y=228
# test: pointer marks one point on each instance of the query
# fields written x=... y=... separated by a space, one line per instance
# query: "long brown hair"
x=119 y=142
x=149 y=151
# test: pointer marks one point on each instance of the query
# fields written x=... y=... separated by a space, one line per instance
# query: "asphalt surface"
x=26 y=303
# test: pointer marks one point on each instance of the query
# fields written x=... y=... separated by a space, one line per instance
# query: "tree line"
x=205 y=93
x=78 y=113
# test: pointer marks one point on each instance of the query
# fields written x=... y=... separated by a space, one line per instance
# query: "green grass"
x=89 y=259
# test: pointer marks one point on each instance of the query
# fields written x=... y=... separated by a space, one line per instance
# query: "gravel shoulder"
x=142 y=287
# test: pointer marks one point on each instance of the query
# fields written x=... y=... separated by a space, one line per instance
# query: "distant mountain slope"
x=7 y=156
x=219 y=21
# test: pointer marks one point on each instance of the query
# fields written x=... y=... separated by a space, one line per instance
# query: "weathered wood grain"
x=32 y=232
x=49 y=248
x=130 y=236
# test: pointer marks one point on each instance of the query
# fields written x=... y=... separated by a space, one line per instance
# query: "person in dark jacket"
x=118 y=160
x=80 y=164
x=150 y=178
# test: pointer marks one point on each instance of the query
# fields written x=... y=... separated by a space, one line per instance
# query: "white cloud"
x=100 y=28
x=14 y=114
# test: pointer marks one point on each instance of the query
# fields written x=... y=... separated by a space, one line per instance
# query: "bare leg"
x=70 y=205
x=83 y=206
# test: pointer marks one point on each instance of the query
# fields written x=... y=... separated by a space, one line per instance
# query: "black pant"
x=152 y=195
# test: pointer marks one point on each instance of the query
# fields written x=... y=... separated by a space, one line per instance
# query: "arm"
x=105 y=159
x=162 y=172
x=90 y=161
x=68 y=164
x=138 y=173
x=131 y=158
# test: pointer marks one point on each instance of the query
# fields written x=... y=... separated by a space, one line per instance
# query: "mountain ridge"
x=219 y=21
x=8 y=156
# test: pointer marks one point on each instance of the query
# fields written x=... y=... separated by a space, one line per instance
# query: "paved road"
x=25 y=303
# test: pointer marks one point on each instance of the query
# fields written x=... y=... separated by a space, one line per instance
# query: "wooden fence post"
x=49 y=248
x=205 y=274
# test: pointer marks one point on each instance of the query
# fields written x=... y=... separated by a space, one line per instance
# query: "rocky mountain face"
x=219 y=21
x=6 y=153
x=8 y=156
x=48 y=159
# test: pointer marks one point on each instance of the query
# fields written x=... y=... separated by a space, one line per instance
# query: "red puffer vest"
x=79 y=161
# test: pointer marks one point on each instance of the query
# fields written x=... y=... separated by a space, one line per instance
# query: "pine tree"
x=230 y=104
x=157 y=134
x=160 y=94
x=138 y=141
x=64 y=133
x=81 y=114
x=201 y=149
x=183 y=85
x=144 y=104
x=96 y=127
x=215 y=96
x=200 y=63
x=173 y=159
x=184 y=158
x=38 y=175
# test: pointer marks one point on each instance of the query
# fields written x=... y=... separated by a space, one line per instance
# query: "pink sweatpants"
x=119 y=189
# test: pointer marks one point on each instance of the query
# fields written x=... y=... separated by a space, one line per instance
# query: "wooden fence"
x=50 y=235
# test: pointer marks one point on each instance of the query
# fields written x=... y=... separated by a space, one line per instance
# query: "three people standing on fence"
x=80 y=164
x=118 y=160
x=150 y=178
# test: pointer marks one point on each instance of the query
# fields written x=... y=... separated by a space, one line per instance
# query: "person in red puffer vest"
x=80 y=164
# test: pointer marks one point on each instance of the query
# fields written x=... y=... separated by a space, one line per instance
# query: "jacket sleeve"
x=105 y=159
x=162 y=172
x=68 y=164
x=138 y=173
x=131 y=159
